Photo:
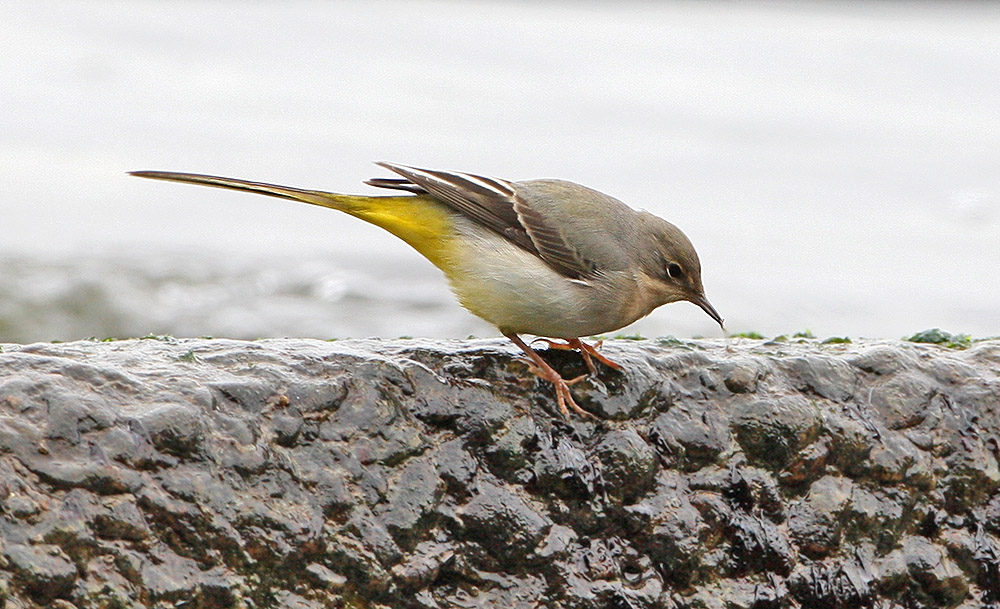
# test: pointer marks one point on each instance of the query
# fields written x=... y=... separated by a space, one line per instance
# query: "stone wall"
x=298 y=473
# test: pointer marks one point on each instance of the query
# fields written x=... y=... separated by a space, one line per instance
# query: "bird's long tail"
x=419 y=220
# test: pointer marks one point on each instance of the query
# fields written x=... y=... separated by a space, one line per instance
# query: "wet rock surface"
x=419 y=474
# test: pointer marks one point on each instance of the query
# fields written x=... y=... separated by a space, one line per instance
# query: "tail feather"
x=315 y=197
x=423 y=222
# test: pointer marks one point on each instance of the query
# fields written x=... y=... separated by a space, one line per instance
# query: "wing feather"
x=497 y=205
x=551 y=243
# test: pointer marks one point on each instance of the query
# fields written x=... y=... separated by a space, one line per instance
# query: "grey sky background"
x=835 y=164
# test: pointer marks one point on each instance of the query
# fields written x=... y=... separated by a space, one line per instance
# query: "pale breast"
x=516 y=291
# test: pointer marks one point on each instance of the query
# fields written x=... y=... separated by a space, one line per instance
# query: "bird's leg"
x=540 y=368
x=586 y=351
x=569 y=345
x=591 y=350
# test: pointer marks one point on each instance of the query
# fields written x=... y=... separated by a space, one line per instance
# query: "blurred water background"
x=836 y=164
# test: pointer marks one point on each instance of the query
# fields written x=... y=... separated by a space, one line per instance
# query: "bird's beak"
x=706 y=306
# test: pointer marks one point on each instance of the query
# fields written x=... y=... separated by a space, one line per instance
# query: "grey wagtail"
x=544 y=257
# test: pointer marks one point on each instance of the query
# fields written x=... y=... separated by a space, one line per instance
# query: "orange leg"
x=592 y=351
x=587 y=351
x=541 y=369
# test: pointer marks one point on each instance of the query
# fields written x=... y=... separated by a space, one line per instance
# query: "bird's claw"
x=564 y=398
x=540 y=368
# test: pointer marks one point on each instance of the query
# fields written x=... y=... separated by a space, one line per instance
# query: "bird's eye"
x=674 y=270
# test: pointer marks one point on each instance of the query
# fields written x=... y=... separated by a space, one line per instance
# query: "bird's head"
x=670 y=266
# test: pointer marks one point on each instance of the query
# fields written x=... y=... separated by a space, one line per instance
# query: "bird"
x=544 y=257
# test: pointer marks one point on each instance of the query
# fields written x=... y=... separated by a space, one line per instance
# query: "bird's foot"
x=586 y=351
x=540 y=368
x=544 y=374
x=592 y=350
x=564 y=398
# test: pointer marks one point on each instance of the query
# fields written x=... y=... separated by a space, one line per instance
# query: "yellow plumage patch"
x=422 y=222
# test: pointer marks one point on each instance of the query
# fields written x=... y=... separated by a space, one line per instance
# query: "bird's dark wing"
x=396 y=184
x=549 y=238
x=497 y=205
